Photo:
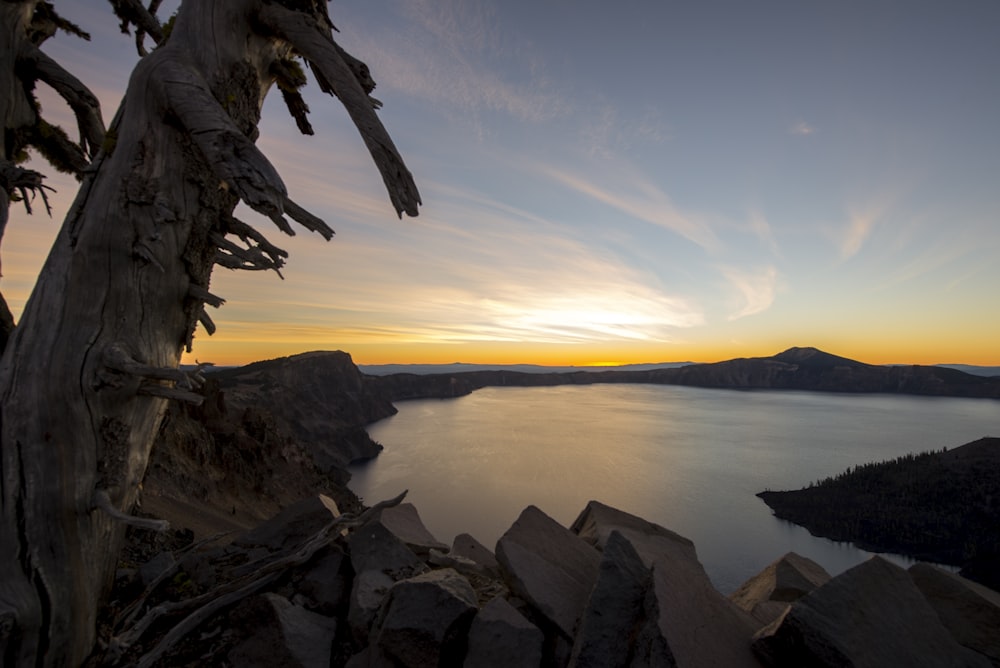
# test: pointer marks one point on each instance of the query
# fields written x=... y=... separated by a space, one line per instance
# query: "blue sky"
x=625 y=182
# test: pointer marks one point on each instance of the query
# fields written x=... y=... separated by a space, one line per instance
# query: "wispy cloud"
x=859 y=228
x=802 y=129
x=756 y=289
x=632 y=193
x=761 y=228
x=451 y=53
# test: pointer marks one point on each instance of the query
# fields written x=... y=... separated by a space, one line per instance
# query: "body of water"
x=690 y=459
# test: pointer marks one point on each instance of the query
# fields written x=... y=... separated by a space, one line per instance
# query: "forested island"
x=939 y=506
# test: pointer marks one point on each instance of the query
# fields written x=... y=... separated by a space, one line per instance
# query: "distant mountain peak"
x=814 y=357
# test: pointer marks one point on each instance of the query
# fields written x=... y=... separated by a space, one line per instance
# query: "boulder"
x=424 y=620
x=767 y=594
x=374 y=547
x=281 y=635
x=379 y=559
x=549 y=567
x=970 y=611
x=155 y=567
x=323 y=583
x=461 y=564
x=615 y=610
x=687 y=621
x=404 y=522
x=367 y=593
x=597 y=520
x=500 y=636
x=291 y=526
x=468 y=547
x=871 y=615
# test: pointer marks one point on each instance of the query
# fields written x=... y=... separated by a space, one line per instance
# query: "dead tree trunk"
x=87 y=373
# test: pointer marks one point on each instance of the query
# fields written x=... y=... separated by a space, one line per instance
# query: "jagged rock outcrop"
x=549 y=567
x=500 y=637
x=871 y=615
x=969 y=611
x=424 y=620
x=403 y=521
x=621 y=592
x=616 y=609
x=768 y=594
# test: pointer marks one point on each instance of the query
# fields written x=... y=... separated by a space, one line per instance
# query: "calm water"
x=689 y=459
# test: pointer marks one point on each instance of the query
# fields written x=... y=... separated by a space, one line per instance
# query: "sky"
x=622 y=182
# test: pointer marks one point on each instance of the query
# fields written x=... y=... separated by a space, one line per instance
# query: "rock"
x=500 y=636
x=282 y=635
x=968 y=610
x=614 y=611
x=152 y=569
x=367 y=593
x=767 y=594
x=424 y=620
x=597 y=520
x=379 y=559
x=466 y=546
x=404 y=522
x=688 y=622
x=374 y=547
x=871 y=615
x=461 y=564
x=323 y=582
x=548 y=566
x=291 y=526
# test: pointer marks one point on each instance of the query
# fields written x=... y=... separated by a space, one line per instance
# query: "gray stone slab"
x=870 y=616
x=549 y=567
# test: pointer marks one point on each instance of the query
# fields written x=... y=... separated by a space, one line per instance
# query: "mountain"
x=462 y=367
x=793 y=369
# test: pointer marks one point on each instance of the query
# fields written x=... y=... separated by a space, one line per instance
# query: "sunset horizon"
x=707 y=185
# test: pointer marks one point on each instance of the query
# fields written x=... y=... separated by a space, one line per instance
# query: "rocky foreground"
x=312 y=587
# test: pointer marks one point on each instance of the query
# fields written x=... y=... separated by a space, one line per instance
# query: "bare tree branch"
x=322 y=53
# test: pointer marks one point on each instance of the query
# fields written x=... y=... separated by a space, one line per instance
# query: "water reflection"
x=687 y=458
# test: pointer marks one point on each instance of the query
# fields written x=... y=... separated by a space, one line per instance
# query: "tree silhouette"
x=87 y=372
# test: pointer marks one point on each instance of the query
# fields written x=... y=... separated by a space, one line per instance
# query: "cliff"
x=266 y=434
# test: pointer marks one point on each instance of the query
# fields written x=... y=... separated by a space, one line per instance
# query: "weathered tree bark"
x=85 y=377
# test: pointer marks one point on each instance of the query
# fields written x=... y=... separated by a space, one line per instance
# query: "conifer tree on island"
x=89 y=369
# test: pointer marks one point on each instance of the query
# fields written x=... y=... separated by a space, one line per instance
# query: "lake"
x=690 y=459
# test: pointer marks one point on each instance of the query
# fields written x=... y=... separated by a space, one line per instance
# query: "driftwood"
x=262 y=574
x=88 y=371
